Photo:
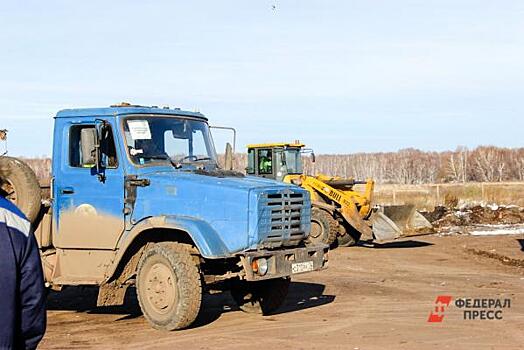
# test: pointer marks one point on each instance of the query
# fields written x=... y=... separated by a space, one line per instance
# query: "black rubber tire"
x=348 y=237
x=327 y=225
x=262 y=297
x=188 y=286
x=21 y=186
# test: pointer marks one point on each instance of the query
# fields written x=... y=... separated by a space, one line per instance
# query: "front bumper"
x=285 y=262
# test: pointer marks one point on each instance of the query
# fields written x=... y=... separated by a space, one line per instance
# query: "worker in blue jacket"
x=22 y=294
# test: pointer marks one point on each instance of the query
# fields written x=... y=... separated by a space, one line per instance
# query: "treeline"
x=412 y=166
x=408 y=166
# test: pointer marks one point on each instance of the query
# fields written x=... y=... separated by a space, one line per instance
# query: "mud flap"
x=111 y=294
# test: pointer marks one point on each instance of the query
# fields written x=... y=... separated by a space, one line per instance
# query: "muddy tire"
x=349 y=237
x=324 y=227
x=262 y=297
x=21 y=186
x=169 y=286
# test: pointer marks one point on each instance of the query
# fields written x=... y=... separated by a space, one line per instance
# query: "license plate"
x=302 y=267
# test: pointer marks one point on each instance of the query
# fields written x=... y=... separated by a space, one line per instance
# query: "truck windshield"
x=180 y=141
x=293 y=161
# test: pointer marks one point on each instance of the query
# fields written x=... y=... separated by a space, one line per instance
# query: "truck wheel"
x=324 y=227
x=21 y=186
x=169 y=286
x=263 y=297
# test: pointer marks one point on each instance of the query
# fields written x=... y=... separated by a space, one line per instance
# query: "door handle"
x=67 y=190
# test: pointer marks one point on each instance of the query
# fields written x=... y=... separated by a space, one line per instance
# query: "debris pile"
x=475 y=214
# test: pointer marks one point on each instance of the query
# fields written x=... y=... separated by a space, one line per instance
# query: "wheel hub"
x=160 y=288
x=316 y=229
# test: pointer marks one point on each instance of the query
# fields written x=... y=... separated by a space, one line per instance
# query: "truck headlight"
x=260 y=266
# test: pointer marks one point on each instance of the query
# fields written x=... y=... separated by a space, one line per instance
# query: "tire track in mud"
x=519 y=263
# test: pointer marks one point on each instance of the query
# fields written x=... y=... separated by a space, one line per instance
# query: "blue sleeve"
x=32 y=296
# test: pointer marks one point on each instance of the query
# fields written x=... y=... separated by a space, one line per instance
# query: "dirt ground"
x=369 y=298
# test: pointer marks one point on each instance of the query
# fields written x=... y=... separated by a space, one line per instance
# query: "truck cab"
x=138 y=198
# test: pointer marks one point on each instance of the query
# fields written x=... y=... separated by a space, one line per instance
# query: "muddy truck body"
x=137 y=198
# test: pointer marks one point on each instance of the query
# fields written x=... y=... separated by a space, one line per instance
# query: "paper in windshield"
x=139 y=129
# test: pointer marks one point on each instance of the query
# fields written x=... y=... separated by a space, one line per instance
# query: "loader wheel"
x=169 y=286
x=262 y=297
x=20 y=186
x=349 y=238
x=324 y=227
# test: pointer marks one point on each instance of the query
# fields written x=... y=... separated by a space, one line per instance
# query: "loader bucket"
x=394 y=221
x=384 y=229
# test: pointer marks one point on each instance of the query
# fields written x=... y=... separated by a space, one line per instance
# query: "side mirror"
x=233 y=130
x=311 y=152
x=228 y=162
x=88 y=144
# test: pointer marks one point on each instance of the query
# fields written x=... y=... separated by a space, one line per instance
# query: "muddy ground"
x=369 y=298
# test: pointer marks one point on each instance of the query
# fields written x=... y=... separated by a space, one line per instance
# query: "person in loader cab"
x=22 y=292
x=265 y=163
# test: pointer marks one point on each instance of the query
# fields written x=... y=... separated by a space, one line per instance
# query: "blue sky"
x=342 y=76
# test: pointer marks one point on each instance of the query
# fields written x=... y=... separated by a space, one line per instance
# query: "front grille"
x=282 y=218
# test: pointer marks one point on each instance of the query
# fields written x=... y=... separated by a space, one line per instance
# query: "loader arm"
x=363 y=201
x=348 y=209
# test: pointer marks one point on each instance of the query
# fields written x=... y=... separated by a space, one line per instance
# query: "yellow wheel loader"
x=340 y=214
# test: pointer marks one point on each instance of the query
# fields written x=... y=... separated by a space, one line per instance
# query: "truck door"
x=89 y=208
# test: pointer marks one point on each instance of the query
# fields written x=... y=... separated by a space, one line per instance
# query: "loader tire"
x=20 y=186
x=324 y=227
x=349 y=237
x=262 y=297
x=169 y=286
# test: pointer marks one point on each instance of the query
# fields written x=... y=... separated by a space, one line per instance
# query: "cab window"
x=251 y=161
x=265 y=161
x=82 y=141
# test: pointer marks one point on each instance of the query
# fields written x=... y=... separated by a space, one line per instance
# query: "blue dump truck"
x=138 y=198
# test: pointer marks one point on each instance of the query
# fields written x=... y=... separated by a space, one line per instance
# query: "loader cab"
x=275 y=161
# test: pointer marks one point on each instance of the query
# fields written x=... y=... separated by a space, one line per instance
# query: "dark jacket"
x=22 y=294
